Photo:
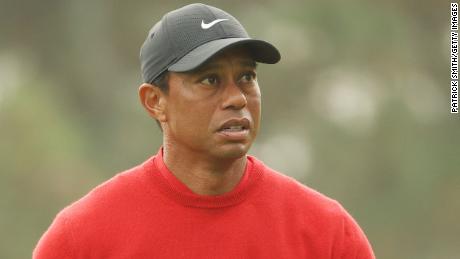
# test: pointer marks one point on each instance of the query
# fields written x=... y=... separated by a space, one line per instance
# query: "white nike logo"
x=206 y=26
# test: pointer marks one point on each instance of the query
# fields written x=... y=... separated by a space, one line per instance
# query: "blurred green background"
x=358 y=109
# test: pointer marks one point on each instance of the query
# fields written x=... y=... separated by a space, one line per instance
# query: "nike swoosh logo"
x=206 y=26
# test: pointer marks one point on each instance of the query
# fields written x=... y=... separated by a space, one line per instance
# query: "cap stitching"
x=173 y=43
x=164 y=28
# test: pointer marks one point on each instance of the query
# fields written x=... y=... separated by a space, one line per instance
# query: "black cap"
x=187 y=37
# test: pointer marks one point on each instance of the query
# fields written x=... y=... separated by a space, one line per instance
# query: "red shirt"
x=146 y=212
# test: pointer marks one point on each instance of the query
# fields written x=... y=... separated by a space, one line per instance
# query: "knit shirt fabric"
x=146 y=212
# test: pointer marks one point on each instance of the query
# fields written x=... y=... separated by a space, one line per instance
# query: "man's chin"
x=232 y=151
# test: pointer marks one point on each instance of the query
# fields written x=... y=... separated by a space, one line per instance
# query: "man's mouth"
x=235 y=129
x=235 y=125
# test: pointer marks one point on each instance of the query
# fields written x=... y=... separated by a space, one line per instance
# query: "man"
x=201 y=196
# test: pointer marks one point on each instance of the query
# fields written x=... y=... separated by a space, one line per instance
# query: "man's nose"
x=233 y=96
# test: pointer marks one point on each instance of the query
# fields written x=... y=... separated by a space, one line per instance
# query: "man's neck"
x=202 y=175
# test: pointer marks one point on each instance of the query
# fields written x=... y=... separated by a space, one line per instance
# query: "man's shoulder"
x=293 y=193
x=117 y=192
x=315 y=213
x=81 y=223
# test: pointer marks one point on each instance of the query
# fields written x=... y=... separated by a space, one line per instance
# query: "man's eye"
x=209 y=80
x=248 y=77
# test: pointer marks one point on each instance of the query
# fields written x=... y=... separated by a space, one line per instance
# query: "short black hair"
x=162 y=82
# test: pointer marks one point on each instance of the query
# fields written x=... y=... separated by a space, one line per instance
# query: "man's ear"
x=154 y=101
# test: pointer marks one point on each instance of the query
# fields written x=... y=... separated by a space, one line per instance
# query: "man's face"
x=215 y=109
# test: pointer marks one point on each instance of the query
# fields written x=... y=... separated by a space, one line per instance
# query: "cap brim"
x=260 y=50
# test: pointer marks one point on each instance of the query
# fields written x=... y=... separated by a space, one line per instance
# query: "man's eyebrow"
x=248 y=63
x=208 y=66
